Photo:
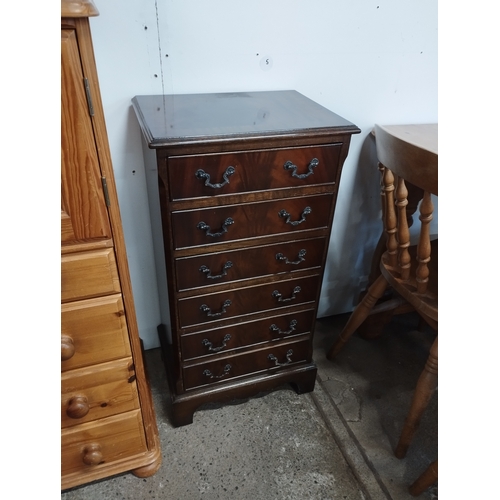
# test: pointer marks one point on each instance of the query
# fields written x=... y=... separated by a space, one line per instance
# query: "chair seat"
x=426 y=303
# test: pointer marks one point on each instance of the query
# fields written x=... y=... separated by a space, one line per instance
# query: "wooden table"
x=410 y=151
x=401 y=148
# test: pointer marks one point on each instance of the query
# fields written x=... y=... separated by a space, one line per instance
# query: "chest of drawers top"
x=222 y=121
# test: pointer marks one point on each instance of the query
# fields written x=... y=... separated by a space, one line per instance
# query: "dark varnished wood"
x=244 y=239
x=251 y=333
x=247 y=263
x=177 y=120
x=250 y=220
x=274 y=357
x=247 y=300
x=252 y=171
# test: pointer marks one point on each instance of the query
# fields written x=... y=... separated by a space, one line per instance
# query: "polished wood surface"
x=411 y=151
x=407 y=154
x=107 y=415
x=246 y=185
x=247 y=263
x=169 y=120
x=231 y=338
x=78 y=8
x=215 y=225
x=204 y=175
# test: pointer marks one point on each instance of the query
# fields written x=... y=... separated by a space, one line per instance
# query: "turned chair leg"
x=427 y=479
x=426 y=386
x=359 y=315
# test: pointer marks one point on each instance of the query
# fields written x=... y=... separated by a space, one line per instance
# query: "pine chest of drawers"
x=242 y=190
x=108 y=423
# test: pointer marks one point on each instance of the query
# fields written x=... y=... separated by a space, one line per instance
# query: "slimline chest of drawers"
x=242 y=190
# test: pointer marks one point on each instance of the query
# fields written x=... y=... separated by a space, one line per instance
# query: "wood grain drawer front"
x=242 y=301
x=274 y=357
x=242 y=335
x=236 y=222
x=230 y=173
x=87 y=446
x=89 y=274
x=93 y=331
x=215 y=268
x=98 y=391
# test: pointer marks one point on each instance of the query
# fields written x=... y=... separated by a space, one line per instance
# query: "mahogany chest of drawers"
x=242 y=190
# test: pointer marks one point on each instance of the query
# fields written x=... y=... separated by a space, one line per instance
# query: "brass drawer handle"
x=208 y=272
x=300 y=258
x=202 y=175
x=291 y=328
x=209 y=344
x=226 y=370
x=205 y=227
x=277 y=295
x=283 y=213
x=289 y=353
x=290 y=166
x=204 y=308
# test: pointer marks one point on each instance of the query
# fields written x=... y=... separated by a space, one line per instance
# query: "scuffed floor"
x=334 y=443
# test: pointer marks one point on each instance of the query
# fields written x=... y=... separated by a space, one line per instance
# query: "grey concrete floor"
x=333 y=443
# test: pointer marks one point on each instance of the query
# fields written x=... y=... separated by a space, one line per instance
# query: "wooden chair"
x=425 y=480
x=407 y=154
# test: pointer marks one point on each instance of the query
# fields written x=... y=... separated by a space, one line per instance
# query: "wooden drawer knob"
x=78 y=407
x=92 y=454
x=67 y=348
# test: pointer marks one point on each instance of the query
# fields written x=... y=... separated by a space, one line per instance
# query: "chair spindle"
x=424 y=243
x=403 y=233
x=390 y=218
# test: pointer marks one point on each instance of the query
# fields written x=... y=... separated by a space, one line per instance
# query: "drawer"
x=242 y=335
x=242 y=301
x=86 y=446
x=89 y=274
x=250 y=220
x=93 y=331
x=272 y=358
x=222 y=267
x=98 y=391
x=229 y=173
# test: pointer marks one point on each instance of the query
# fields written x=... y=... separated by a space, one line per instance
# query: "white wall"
x=369 y=61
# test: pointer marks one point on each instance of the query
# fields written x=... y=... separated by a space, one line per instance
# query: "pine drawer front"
x=223 y=267
x=98 y=391
x=230 y=173
x=250 y=220
x=93 y=331
x=242 y=335
x=92 y=445
x=244 y=301
x=263 y=359
x=89 y=274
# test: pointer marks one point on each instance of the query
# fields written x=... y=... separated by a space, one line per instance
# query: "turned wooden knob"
x=67 y=348
x=92 y=454
x=78 y=407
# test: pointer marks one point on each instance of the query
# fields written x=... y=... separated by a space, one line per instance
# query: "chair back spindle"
x=390 y=220
x=424 y=243
x=403 y=232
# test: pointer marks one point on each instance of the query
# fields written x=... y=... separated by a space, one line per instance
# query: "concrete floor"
x=334 y=443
